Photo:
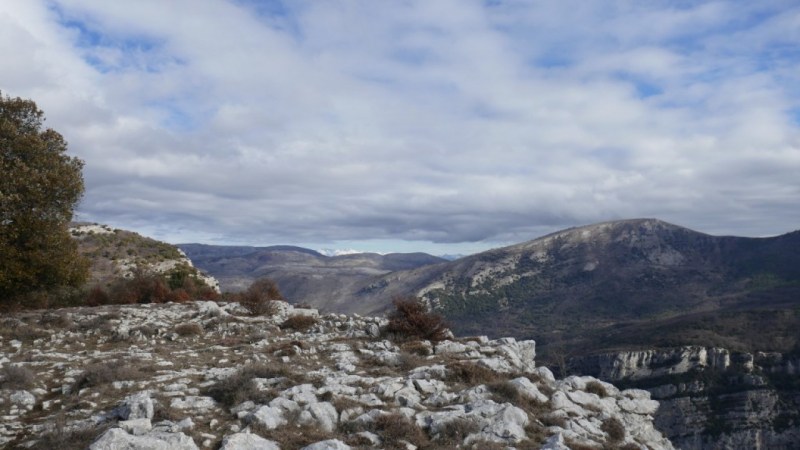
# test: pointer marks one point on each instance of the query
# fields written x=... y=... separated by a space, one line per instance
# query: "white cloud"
x=448 y=121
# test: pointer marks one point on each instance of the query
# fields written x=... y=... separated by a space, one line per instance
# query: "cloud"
x=452 y=122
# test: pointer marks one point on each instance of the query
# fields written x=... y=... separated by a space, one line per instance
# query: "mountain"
x=303 y=275
x=579 y=286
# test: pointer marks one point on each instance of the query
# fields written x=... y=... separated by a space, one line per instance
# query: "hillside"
x=115 y=253
x=303 y=275
x=204 y=375
x=598 y=287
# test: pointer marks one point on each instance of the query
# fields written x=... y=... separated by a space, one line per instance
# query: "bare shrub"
x=471 y=374
x=396 y=428
x=294 y=436
x=299 y=323
x=16 y=377
x=239 y=387
x=505 y=391
x=411 y=319
x=455 y=431
x=102 y=373
x=57 y=320
x=597 y=388
x=614 y=428
x=418 y=348
x=189 y=329
x=97 y=296
x=66 y=438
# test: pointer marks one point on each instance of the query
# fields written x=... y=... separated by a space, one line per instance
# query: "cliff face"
x=712 y=398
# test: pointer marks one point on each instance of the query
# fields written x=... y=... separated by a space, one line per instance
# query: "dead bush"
x=57 y=320
x=395 y=428
x=299 y=323
x=597 y=388
x=189 y=329
x=614 y=428
x=411 y=319
x=101 y=373
x=239 y=387
x=417 y=348
x=455 y=431
x=97 y=296
x=471 y=374
x=64 y=438
x=292 y=436
x=16 y=377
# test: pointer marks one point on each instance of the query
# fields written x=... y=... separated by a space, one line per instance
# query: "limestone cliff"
x=712 y=398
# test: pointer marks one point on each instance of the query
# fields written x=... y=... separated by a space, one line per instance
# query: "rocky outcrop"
x=712 y=398
x=138 y=377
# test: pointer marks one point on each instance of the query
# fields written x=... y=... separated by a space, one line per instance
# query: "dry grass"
x=107 y=372
x=290 y=437
x=614 y=428
x=189 y=329
x=471 y=374
x=239 y=387
x=299 y=323
x=16 y=377
x=395 y=428
x=597 y=388
x=453 y=433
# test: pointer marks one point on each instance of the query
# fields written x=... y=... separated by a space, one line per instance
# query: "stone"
x=23 y=399
x=135 y=406
x=269 y=417
x=247 y=441
x=119 y=439
x=322 y=415
x=555 y=442
x=136 y=427
x=330 y=444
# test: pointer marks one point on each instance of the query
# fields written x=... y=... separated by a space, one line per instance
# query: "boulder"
x=247 y=441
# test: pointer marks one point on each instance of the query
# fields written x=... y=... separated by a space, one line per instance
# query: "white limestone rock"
x=135 y=406
x=247 y=441
x=330 y=444
x=119 y=439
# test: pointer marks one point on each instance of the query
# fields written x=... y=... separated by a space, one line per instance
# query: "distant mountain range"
x=598 y=287
x=303 y=275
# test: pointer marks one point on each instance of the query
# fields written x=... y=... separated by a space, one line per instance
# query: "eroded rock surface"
x=137 y=377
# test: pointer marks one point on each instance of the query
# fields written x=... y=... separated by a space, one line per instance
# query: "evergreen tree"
x=40 y=186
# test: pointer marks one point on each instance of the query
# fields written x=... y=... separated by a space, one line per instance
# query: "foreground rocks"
x=204 y=375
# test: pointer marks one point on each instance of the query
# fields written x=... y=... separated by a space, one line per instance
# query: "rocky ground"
x=206 y=375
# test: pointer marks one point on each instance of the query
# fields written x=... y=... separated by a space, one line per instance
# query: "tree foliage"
x=40 y=186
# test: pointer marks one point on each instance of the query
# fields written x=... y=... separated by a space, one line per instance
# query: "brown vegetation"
x=411 y=319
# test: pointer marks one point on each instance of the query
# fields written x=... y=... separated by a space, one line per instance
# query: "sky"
x=444 y=126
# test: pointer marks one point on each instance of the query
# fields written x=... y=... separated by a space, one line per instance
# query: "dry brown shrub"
x=292 y=436
x=97 y=296
x=614 y=428
x=239 y=387
x=395 y=428
x=417 y=348
x=63 y=438
x=16 y=377
x=411 y=319
x=597 y=388
x=471 y=374
x=57 y=320
x=107 y=372
x=189 y=329
x=454 y=432
x=299 y=323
